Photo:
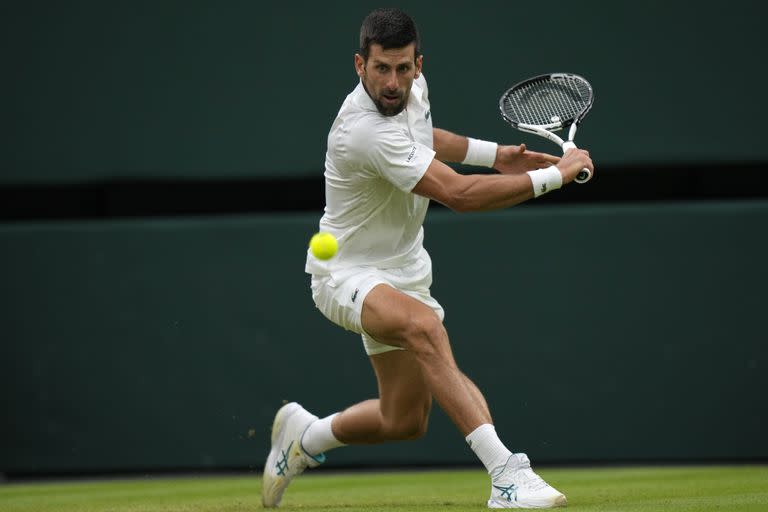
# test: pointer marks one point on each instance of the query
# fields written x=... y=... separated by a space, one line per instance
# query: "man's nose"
x=392 y=80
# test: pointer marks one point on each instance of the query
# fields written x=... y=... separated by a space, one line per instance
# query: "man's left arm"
x=451 y=147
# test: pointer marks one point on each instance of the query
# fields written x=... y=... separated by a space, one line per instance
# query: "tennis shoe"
x=287 y=458
x=515 y=485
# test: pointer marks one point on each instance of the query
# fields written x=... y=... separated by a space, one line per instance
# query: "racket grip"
x=585 y=175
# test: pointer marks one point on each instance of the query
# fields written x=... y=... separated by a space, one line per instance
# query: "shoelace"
x=531 y=480
x=525 y=477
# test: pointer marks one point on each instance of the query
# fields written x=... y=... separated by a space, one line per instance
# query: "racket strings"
x=547 y=101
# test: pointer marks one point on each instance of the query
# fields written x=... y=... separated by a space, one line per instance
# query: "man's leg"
x=393 y=318
x=299 y=439
x=401 y=411
x=405 y=390
x=407 y=382
x=403 y=405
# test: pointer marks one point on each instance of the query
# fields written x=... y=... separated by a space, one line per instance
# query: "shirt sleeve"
x=389 y=152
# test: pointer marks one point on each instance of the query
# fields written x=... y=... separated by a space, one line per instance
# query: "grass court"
x=635 y=489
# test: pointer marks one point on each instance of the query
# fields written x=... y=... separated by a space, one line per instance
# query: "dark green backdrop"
x=598 y=333
x=95 y=90
x=610 y=332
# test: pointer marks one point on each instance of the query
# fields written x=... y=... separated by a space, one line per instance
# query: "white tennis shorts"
x=340 y=296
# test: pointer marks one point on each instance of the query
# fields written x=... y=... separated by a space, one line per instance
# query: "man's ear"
x=359 y=65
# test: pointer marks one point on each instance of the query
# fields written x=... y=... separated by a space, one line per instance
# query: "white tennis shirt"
x=372 y=164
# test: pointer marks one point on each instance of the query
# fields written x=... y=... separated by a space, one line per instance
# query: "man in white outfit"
x=384 y=163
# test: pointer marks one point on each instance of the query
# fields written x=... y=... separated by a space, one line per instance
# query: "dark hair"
x=391 y=28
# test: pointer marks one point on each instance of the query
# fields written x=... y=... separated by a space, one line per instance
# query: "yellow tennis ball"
x=323 y=245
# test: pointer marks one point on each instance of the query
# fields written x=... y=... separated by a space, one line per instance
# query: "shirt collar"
x=363 y=99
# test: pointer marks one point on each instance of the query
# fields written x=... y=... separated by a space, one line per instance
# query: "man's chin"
x=390 y=110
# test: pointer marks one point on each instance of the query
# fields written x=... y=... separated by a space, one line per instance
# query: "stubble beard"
x=391 y=109
x=386 y=110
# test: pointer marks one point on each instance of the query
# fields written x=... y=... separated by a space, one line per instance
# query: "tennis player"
x=385 y=161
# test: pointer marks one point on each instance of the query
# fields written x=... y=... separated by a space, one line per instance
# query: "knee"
x=414 y=426
x=425 y=333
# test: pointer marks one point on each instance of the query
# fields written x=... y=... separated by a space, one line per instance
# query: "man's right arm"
x=483 y=192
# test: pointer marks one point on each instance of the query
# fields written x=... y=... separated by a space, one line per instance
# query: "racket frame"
x=547 y=130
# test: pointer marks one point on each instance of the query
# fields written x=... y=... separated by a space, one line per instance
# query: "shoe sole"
x=560 y=501
x=271 y=484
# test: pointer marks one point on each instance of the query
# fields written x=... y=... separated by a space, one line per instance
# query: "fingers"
x=573 y=162
x=583 y=158
x=542 y=162
x=534 y=156
x=589 y=159
x=547 y=160
x=584 y=151
x=540 y=157
x=552 y=159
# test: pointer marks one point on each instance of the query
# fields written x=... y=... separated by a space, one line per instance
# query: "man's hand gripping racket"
x=545 y=104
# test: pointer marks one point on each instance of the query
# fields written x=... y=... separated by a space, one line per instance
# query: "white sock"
x=319 y=438
x=488 y=447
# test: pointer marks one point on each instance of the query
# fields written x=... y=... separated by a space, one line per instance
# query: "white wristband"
x=480 y=152
x=545 y=180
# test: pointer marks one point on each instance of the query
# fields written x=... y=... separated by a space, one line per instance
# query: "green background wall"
x=610 y=332
x=95 y=90
x=599 y=333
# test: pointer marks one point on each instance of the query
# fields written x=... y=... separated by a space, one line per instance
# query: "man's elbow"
x=460 y=206
x=460 y=200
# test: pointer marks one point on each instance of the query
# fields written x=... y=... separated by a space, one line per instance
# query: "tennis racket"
x=545 y=104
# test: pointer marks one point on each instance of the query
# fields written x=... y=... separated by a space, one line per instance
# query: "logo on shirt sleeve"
x=411 y=154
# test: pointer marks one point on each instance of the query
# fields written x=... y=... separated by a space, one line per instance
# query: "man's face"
x=388 y=76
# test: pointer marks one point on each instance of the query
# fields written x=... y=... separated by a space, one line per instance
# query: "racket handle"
x=585 y=175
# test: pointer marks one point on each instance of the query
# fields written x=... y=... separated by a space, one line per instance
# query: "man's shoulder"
x=360 y=130
x=363 y=124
